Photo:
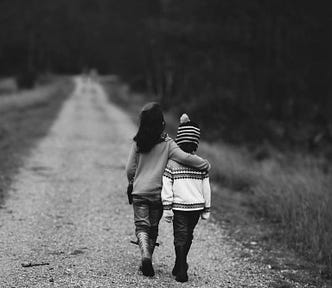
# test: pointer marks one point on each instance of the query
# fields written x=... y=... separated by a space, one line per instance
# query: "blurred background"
x=255 y=74
x=253 y=70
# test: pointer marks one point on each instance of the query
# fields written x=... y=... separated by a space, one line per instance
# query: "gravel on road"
x=67 y=222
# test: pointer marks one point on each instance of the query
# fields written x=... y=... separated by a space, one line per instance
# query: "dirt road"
x=67 y=213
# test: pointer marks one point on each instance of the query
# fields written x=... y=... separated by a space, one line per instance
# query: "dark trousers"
x=184 y=223
x=147 y=214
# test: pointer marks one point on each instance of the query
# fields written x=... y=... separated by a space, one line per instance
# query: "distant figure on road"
x=186 y=195
x=151 y=150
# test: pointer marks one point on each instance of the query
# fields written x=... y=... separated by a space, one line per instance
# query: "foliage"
x=294 y=192
x=250 y=71
x=25 y=117
x=67 y=36
x=26 y=80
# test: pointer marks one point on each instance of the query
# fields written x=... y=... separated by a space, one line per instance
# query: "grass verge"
x=25 y=117
x=291 y=194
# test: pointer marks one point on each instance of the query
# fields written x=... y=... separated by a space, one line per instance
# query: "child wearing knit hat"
x=148 y=157
x=186 y=196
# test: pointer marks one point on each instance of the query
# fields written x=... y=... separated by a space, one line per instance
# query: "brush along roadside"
x=25 y=117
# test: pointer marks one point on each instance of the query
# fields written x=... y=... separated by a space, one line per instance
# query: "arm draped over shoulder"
x=178 y=155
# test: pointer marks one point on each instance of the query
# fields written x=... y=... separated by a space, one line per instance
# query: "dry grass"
x=25 y=117
x=293 y=191
x=300 y=197
x=26 y=98
x=7 y=86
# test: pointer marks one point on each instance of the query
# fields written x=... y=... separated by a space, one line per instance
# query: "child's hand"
x=168 y=215
x=205 y=215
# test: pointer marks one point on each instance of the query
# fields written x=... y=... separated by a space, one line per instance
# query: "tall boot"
x=144 y=245
x=176 y=265
x=181 y=256
x=152 y=244
x=187 y=247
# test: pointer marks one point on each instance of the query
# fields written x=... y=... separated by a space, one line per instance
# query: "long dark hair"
x=151 y=127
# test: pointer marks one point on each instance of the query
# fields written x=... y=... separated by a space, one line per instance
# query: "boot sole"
x=147 y=268
x=175 y=269
x=181 y=278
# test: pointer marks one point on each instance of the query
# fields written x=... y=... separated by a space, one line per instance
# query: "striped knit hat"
x=188 y=131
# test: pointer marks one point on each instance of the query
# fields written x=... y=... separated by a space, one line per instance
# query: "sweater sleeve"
x=132 y=163
x=167 y=190
x=194 y=161
x=207 y=193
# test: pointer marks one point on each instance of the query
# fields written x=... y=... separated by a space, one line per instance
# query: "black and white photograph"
x=165 y=143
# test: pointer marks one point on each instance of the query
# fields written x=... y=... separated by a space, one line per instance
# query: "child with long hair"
x=150 y=152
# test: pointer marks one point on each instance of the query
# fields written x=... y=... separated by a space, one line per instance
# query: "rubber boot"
x=187 y=247
x=176 y=265
x=152 y=245
x=144 y=245
x=181 y=275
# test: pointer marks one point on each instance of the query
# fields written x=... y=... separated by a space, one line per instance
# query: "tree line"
x=260 y=70
x=66 y=36
x=251 y=71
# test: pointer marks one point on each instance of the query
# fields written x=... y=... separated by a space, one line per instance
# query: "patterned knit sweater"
x=185 y=188
x=145 y=170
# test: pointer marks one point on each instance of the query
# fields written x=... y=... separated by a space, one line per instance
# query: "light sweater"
x=145 y=170
x=185 y=188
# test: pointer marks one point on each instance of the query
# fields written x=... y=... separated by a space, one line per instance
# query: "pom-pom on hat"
x=188 y=131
